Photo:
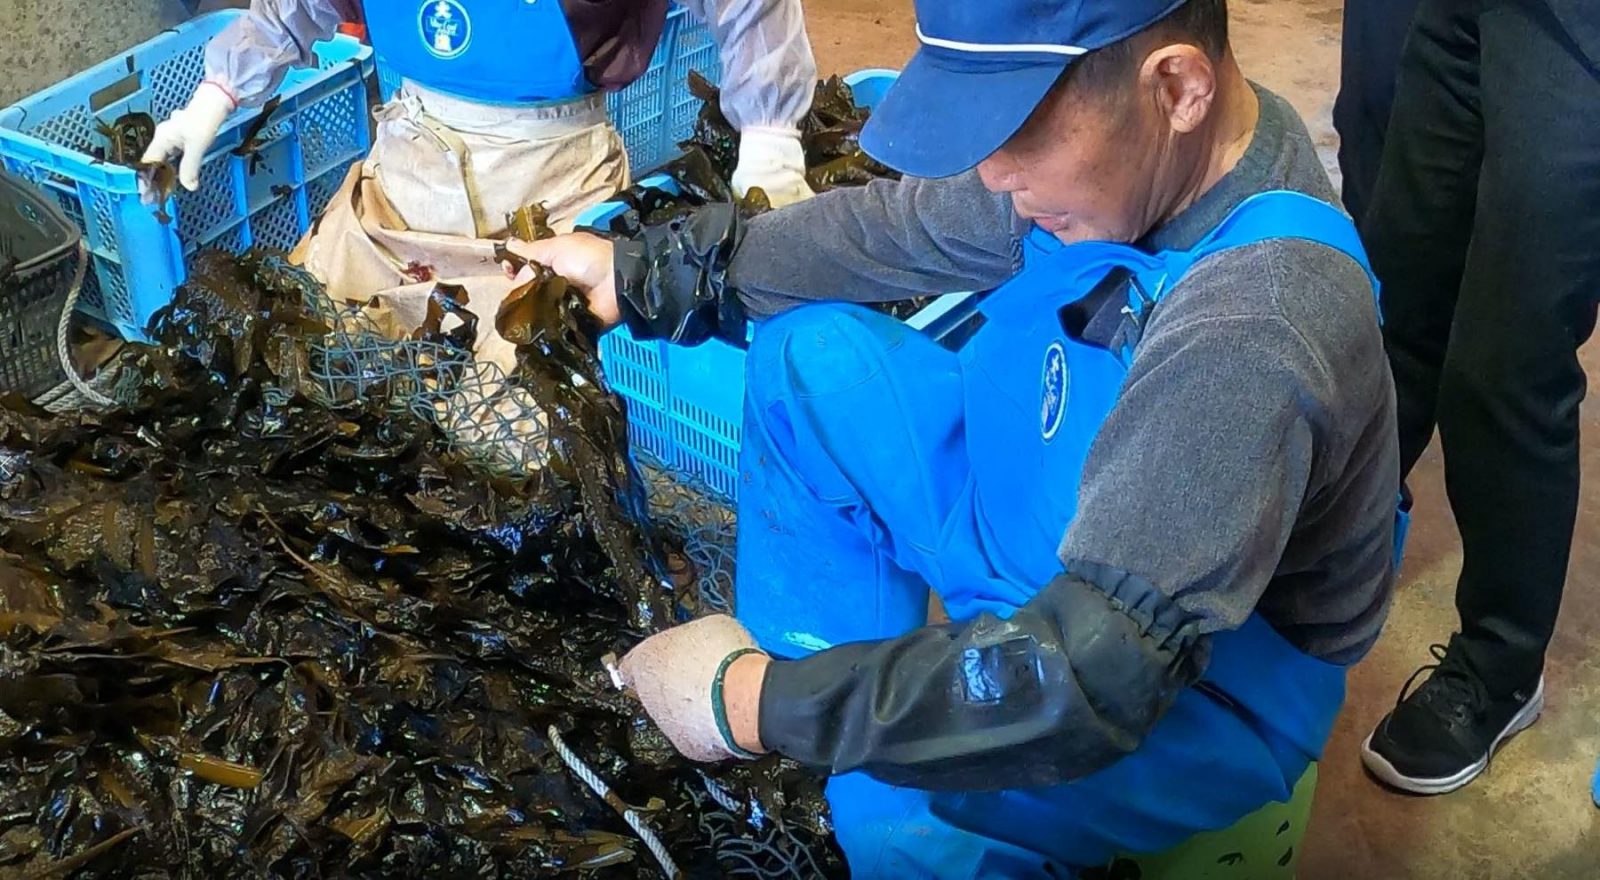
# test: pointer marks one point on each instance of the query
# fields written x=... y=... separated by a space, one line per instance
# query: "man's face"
x=1082 y=168
x=1110 y=162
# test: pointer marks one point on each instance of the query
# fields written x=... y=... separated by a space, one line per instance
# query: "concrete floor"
x=48 y=40
x=1530 y=816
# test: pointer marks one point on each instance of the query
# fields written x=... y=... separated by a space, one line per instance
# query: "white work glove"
x=191 y=131
x=674 y=674
x=772 y=159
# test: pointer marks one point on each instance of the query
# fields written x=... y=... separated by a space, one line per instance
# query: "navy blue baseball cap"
x=982 y=69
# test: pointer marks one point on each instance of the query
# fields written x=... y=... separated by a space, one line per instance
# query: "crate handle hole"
x=115 y=92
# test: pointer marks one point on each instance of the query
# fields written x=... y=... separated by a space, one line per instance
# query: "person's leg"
x=1508 y=397
x=852 y=458
x=1419 y=224
x=853 y=455
x=1512 y=383
x=1374 y=31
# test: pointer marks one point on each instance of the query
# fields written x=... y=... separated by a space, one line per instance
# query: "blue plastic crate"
x=686 y=404
x=319 y=128
x=656 y=111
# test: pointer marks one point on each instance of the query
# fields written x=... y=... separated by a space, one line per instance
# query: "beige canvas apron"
x=430 y=201
x=433 y=197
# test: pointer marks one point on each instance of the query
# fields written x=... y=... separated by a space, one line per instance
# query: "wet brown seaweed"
x=127 y=139
x=239 y=628
x=830 y=135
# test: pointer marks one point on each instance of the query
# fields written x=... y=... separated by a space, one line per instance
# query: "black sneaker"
x=1442 y=735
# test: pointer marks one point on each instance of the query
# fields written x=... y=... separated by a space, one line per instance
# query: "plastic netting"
x=486 y=416
x=481 y=412
x=704 y=522
x=747 y=847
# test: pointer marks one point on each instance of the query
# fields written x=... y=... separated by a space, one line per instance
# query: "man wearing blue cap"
x=1154 y=492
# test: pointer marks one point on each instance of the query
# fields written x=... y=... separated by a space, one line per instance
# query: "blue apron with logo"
x=518 y=52
x=1031 y=401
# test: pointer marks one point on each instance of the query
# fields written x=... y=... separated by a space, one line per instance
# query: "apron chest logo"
x=446 y=29
x=1053 y=382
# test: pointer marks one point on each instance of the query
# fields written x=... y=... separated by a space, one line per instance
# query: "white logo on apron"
x=1053 y=391
x=446 y=29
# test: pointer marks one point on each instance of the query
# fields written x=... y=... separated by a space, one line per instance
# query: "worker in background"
x=502 y=107
x=1155 y=493
x=1483 y=230
x=1369 y=56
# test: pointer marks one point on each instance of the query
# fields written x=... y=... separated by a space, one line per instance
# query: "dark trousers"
x=1485 y=231
x=1374 y=31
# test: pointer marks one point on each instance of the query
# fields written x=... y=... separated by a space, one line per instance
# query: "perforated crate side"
x=30 y=306
x=695 y=50
x=73 y=129
x=172 y=82
x=277 y=226
x=89 y=299
x=717 y=426
x=207 y=210
x=113 y=285
x=102 y=214
x=638 y=110
x=705 y=456
x=388 y=81
x=648 y=429
x=232 y=241
x=51 y=139
x=634 y=368
x=332 y=131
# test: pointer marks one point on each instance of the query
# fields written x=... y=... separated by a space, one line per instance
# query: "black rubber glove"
x=1072 y=682
x=672 y=277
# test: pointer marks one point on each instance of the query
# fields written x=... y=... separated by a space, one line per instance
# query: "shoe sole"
x=1380 y=767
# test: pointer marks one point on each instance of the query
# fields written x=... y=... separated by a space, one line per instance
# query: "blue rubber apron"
x=1034 y=399
x=515 y=52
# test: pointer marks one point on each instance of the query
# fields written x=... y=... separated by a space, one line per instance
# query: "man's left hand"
x=676 y=675
x=772 y=159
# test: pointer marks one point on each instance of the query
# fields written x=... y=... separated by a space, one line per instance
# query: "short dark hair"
x=1201 y=22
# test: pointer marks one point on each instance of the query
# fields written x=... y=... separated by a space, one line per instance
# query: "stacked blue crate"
x=267 y=196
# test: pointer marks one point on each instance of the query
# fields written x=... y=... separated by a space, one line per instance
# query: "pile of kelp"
x=830 y=134
x=247 y=632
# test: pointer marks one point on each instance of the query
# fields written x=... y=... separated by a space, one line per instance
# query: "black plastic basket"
x=38 y=260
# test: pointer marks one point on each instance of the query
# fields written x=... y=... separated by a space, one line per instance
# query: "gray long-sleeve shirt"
x=1250 y=463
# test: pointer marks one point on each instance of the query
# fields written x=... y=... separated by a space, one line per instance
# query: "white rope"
x=63 y=328
x=722 y=797
x=599 y=787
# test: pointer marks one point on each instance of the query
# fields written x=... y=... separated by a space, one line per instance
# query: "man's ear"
x=1183 y=81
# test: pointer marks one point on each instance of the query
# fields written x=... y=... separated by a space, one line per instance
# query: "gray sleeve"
x=1197 y=478
x=888 y=240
